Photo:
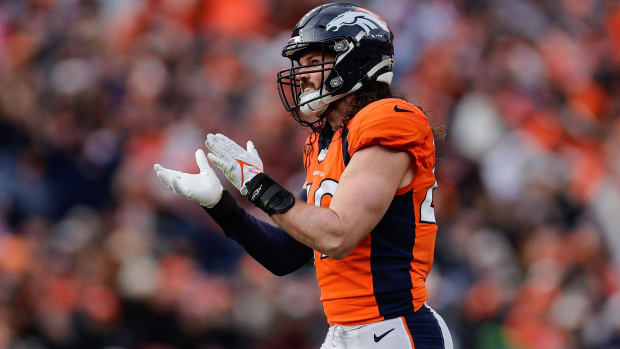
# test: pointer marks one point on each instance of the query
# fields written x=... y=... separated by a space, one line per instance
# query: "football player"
x=367 y=218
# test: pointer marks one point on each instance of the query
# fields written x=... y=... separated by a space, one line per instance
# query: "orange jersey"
x=383 y=277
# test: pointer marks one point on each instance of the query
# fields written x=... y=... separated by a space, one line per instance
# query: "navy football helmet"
x=361 y=44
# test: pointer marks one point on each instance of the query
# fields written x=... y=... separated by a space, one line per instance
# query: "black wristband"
x=268 y=195
x=227 y=213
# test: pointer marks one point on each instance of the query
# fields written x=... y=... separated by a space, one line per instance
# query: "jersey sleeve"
x=391 y=123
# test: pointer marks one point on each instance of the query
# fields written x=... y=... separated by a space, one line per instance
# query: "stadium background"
x=95 y=252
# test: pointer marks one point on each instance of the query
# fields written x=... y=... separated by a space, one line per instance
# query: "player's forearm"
x=269 y=245
x=317 y=227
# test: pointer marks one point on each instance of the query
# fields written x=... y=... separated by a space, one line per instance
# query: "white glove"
x=238 y=165
x=204 y=188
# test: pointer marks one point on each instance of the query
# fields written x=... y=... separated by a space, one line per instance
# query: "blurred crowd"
x=96 y=253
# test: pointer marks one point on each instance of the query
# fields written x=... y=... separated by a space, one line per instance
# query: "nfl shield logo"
x=322 y=154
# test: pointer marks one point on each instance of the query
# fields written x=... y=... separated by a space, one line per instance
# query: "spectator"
x=92 y=253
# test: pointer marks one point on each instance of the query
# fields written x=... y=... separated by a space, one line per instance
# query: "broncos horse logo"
x=360 y=17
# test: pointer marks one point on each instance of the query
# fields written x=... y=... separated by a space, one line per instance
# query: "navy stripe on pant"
x=424 y=329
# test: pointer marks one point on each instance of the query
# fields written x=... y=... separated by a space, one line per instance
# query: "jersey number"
x=328 y=187
x=427 y=208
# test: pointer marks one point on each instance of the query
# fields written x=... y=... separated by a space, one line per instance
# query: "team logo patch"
x=360 y=18
x=256 y=192
x=322 y=154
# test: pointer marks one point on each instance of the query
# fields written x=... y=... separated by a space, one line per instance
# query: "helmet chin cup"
x=317 y=107
x=314 y=108
x=307 y=111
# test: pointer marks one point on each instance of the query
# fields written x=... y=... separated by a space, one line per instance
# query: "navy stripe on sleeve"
x=346 y=157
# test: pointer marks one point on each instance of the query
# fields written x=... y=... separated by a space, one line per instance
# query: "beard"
x=306 y=85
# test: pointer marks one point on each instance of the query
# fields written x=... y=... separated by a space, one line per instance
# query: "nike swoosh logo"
x=397 y=109
x=377 y=339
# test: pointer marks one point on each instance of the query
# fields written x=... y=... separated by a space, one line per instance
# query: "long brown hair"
x=369 y=93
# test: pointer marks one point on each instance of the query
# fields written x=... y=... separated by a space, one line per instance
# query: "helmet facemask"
x=359 y=41
x=313 y=103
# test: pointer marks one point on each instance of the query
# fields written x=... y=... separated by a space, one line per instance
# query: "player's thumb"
x=251 y=149
x=201 y=161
